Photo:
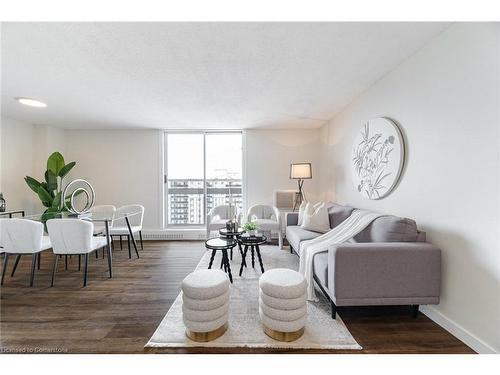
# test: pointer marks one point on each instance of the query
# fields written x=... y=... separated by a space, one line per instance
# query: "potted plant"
x=251 y=228
x=49 y=191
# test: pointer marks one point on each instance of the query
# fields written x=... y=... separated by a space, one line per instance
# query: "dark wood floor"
x=119 y=315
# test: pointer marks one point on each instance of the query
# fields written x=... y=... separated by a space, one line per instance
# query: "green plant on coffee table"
x=49 y=191
x=250 y=226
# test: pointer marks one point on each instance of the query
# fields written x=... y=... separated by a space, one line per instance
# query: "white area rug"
x=245 y=329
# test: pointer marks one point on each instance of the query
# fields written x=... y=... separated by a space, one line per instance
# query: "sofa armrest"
x=384 y=270
x=292 y=218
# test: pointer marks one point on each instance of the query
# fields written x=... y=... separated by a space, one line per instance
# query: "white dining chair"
x=74 y=237
x=121 y=229
x=218 y=216
x=103 y=209
x=268 y=219
x=22 y=237
x=100 y=228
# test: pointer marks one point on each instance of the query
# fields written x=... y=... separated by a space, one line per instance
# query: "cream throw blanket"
x=343 y=232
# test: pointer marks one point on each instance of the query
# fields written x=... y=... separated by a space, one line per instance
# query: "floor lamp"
x=300 y=172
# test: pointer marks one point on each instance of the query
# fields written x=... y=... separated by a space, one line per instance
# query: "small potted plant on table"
x=251 y=228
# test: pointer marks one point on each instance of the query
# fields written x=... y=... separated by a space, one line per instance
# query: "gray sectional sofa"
x=388 y=263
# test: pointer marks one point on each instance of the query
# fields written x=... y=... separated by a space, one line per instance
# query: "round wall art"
x=378 y=158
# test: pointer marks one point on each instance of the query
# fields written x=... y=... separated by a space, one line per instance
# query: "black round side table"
x=229 y=234
x=253 y=243
x=221 y=244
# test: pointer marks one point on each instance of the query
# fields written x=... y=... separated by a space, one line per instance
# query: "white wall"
x=24 y=151
x=17 y=162
x=122 y=165
x=446 y=99
x=268 y=157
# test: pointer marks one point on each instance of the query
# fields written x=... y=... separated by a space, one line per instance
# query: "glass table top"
x=89 y=216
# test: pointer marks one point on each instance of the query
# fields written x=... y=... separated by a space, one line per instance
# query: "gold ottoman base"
x=283 y=336
x=206 y=336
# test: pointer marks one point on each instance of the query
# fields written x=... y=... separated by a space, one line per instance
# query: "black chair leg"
x=142 y=244
x=5 y=261
x=33 y=266
x=121 y=243
x=129 y=249
x=18 y=257
x=39 y=259
x=109 y=260
x=54 y=268
x=79 y=262
x=66 y=262
x=85 y=269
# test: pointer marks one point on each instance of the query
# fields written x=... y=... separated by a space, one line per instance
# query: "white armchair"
x=268 y=219
x=218 y=216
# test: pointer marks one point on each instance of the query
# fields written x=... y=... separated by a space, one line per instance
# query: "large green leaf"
x=32 y=183
x=65 y=170
x=57 y=201
x=51 y=180
x=55 y=163
x=45 y=197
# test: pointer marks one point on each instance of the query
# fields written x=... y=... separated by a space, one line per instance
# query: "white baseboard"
x=457 y=330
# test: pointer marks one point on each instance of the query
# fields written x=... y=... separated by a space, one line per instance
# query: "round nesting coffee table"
x=253 y=243
x=229 y=234
x=221 y=244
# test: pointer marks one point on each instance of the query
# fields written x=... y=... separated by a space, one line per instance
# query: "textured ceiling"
x=197 y=75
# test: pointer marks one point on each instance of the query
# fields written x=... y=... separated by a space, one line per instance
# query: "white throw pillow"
x=316 y=218
x=302 y=209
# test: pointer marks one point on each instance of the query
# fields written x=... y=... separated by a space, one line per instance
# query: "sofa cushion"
x=338 y=213
x=295 y=235
x=389 y=229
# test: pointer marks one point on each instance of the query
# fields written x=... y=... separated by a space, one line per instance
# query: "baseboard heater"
x=176 y=236
x=179 y=236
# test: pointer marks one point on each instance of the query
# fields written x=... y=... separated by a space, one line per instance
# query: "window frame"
x=165 y=176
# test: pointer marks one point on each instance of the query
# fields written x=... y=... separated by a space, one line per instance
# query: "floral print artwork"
x=373 y=161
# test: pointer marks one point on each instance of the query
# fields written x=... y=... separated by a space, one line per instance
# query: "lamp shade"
x=300 y=171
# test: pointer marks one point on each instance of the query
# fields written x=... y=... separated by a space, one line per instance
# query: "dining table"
x=106 y=218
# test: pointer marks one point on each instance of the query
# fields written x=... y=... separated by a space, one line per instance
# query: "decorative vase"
x=3 y=205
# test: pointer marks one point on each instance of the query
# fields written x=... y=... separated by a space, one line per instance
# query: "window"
x=204 y=170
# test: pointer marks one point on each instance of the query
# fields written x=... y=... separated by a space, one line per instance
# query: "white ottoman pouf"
x=205 y=307
x=283 y=304
x=205 y=284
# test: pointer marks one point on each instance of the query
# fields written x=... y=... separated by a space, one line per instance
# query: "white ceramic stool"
x=205 y=304
x=282 y=304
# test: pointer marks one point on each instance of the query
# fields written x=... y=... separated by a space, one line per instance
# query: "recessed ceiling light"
x=31 y=102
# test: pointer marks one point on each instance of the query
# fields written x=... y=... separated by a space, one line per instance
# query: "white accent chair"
x=74 y=237
x=268 y=219
x=218 y=216
x=120 y=227
x=22 y=237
